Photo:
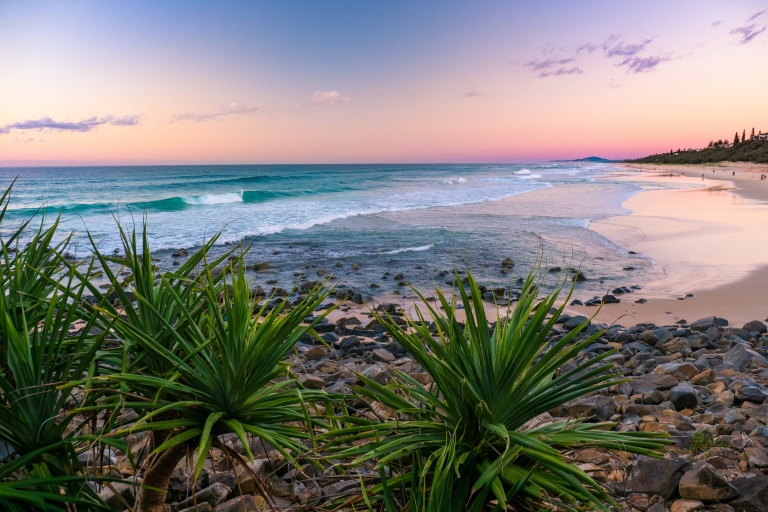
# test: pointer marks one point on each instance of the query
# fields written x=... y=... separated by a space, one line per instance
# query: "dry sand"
x=711 y=241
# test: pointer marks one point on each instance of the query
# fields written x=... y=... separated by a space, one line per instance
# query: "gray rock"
x=213 y=495
x=683 y=396
x=117 y=494
x=575 y=322
x=757 y=326
x=753 y=494
x=655 y=381
x=742 y=358
x=703 y=482
x=241 y=504
x=751 y=393
x=655 y=476
x=703 y=324
x=598 y=406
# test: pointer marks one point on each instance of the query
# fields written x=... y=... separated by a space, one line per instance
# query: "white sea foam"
x=523 y=171
x=411 y=249
x=231 y=197
x=529 y=177
x=451 y=181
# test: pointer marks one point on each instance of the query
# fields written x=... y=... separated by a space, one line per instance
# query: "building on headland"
x=760 y=136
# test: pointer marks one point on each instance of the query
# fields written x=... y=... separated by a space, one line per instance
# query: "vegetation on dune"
x=189 y=358
x=748 y=151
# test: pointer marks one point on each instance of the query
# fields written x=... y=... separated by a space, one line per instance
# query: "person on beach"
x=702 y=176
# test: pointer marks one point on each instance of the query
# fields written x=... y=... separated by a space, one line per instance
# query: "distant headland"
x=594 y=159
x=747 y=148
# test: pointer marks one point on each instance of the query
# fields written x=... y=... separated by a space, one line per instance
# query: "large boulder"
x=213 y=495
x=116 y=495
x=243 y=504
x=683 y=396
x=755 y=326
x=654 y=381
x=703 y=482
x=743 y=358
x=598 y=407
x=655 y=476
x=703 y=324
x=753 y=494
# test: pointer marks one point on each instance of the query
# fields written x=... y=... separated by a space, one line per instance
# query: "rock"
x=116 y=495
x=751 y=393
x=753 y=494
x=579 y=276
x=755 y=326
x=683 y=396
x=311 y=381
x=322 y=271
x=360 y=298
x=703 y=482
x=646 y=383
x=598 y=406
x=262 y=265
x=576 y=302
x=382 y=356
x=201 y=507
x=684 y=371
x=575 y=321
x=703 y=378
x=686 y=506
x=316 y=352
x=703 y=324
x=655 y=476
x=243 y=504
x=742 y=358
x=507 y=262
x=180 y=253
x=756 y=457
x=213 y=495
x=610 y=299
x=258 y=291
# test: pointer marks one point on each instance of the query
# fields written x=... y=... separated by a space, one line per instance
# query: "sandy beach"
x=710 y=242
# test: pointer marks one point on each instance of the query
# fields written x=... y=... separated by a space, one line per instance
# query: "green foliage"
x=466 y=439
x=703 y=440
x=745 y=151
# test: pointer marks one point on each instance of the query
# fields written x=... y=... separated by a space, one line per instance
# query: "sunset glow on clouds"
x=311 y=82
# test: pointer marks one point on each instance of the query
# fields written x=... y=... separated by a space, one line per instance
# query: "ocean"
x=415 y=220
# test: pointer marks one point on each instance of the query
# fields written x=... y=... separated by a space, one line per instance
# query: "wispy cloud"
x=754 y=16
x=473 y=93
x=716 y=23
x=86 y=125
x=232 y=110
x=330 y=98
x=630 y=56
x=748 y=32
x=554 y=66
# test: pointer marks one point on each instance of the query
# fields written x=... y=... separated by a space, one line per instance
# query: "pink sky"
x=89 y=83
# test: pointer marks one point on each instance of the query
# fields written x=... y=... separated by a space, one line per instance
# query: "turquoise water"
x=412 y=219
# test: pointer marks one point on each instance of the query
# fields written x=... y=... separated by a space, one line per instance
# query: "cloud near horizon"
x=754 y=16
x=86 y=125
x=231 y=110
x=330 y=98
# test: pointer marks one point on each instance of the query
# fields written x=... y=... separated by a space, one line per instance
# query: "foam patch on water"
x=529 y=177
x=523 y=171
x=410 y=249
x=231 y=197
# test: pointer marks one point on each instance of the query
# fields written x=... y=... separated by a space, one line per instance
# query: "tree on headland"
x=744 y=136
x=753 y=134
x=736 y=138
x=711 y=143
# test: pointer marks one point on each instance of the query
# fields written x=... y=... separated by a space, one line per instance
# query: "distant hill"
x=749 y=151
x=594 y=159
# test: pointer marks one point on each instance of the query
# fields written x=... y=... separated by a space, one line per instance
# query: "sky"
x=114 y=83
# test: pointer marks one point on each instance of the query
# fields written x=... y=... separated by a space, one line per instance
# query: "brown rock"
x=686 y=506
x=703 y=482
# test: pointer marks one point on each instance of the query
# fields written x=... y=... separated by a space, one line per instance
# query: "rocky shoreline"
x=704 y=383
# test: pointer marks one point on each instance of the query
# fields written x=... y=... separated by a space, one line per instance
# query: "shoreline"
x=709 y=241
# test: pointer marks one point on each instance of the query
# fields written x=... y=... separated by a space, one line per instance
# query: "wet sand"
x=711 y=241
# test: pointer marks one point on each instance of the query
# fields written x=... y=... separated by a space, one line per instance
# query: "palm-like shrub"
x=40 y=359
x=466 y=439
x=225 y=375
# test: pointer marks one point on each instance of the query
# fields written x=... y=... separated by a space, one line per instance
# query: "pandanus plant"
x=467 y=438
x=218 y=368
x=41 y=431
